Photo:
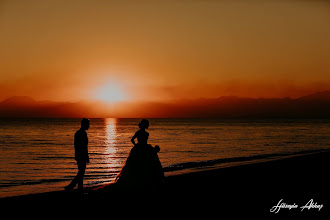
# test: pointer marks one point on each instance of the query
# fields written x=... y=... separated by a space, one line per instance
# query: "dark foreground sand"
x=242 y=190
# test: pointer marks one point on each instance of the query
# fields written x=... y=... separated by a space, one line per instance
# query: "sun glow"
x=110 y=93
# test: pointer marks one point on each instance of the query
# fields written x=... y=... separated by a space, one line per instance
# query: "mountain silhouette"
x=19 y=101
x=24 y=106
x=320 y=96
x=315 y=105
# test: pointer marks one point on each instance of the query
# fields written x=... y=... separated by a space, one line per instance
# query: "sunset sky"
x=67 y=50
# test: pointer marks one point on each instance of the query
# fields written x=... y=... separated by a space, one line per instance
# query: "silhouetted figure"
x=142 y=166
x=81 y=154
x=141 y=134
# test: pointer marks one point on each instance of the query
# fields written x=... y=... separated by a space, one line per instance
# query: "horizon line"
x=164 y=100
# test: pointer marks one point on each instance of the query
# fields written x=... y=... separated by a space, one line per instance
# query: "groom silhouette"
x=81 y=154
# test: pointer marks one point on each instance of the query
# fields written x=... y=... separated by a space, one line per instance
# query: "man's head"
x=85 y=124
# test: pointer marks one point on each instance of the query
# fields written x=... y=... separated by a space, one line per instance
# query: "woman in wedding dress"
x=142 y=166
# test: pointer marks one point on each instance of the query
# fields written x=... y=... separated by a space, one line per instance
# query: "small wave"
x=203 y=143
x=38 y=140
x=4 y=185
x=53 y=157
x=99 y=176
x=106 y=172
x=31 y=182
x=98 y=182
x=25 y=163
x=47 y=143
x=205 y=163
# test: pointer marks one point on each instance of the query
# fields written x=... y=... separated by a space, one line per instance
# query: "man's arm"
x=85 y=143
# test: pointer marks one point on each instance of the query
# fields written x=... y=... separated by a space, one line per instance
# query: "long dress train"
x=142 y=167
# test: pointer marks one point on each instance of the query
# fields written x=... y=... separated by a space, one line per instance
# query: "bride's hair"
x=144 y=124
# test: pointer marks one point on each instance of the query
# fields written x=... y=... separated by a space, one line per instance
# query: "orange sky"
x=66 y=50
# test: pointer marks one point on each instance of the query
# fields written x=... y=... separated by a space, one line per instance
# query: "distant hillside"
x=321 y=96
x=23 y=106
x=18 y=101
x=312 y=106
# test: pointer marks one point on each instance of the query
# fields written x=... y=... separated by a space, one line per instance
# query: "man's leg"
x=79 y=177
x=81 y=173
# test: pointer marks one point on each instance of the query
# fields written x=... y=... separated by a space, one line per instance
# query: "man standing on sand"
x=81 y=154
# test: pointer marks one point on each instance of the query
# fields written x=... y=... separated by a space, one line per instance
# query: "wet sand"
x=253 y=189
x=243 y=190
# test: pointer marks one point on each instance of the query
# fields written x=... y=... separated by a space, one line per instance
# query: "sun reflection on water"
x=111 y=134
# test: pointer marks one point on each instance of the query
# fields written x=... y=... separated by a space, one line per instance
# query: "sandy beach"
x=250 y=189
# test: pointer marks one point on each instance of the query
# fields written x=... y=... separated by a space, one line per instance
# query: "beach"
x=245 y=189
x=253 y=189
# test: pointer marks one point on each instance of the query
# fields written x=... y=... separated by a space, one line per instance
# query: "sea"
x=37 y=154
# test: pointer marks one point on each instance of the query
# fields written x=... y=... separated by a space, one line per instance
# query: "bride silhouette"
x=142 y=166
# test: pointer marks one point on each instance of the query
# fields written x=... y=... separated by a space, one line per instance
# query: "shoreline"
x=238 y=161
x=178 y=169
x=199 y=166
x=251 y=187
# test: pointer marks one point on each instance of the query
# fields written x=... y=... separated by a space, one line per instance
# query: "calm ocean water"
x=36 y=155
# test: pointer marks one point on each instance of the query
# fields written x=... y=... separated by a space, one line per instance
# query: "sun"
x=110 y=92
